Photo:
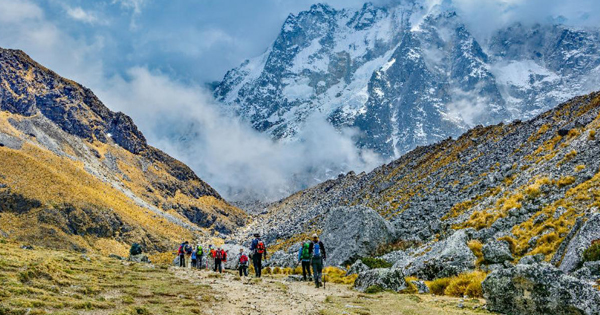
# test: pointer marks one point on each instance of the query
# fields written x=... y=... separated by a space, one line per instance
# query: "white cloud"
x=79 y=14
x=18 y=11
x=238 y=161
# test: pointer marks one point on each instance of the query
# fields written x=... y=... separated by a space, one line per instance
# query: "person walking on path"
x=194 y=259
x=304 y=258
x=218 y=260
x=210 y=258
x=181 y=254
x=188 y=253
x=318 y=256
x=243 y=263
x=199 y=255
x=259 y=251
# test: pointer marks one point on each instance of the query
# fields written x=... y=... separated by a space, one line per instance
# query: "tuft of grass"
x=375 y=263
x=592 y=135
x=337 y=275
x=374 y=289
x=468 y=284
x=565 y=181
x=476 y=247
x=592 y=253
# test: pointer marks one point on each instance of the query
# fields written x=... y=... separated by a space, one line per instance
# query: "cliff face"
x=532 y=184
x=76 y=174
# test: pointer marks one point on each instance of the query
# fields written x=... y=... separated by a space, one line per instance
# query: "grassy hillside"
x=75 y=175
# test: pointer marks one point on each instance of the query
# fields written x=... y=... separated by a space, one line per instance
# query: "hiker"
x=194 y=259
x=304 y=258
x=218 y=258
x=188 y=253
x=318 y=255
x=259 y=251
x=243 y=263
x=199 y=254
x=181 y=254
x=210 y=258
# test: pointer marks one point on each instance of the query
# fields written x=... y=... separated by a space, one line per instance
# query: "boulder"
x=386 y=278
x=445 y=258
x=353 y=232
x=282 y=259
x=539 y=288
x=496 y=252
x=589 y=232
x=357 y=268
x=140 y=258
x=532 y=259
x=395 y=257
x=422 y=288
x=589 y=272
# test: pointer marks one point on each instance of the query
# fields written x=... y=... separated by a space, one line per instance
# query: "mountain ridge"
x=86 y=177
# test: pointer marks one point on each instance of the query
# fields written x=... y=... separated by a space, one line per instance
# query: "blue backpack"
x=316 y=250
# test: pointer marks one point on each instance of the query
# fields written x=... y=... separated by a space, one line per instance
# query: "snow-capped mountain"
x=406 y=75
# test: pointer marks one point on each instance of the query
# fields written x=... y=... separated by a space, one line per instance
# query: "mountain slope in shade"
x=75 y=174
x=406 y=75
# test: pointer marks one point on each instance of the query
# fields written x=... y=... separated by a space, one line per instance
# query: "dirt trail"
x=268 y=295
x=276 y=295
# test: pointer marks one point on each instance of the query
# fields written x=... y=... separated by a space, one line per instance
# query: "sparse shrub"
x=374 y=263
x=337 y=275
x=592 y=253
x=466 y=284
x=374 y=289
x=268 y=270
x=579 y=168
x=411 y=288
x=438 y=286
x=476 y=247
x=592 y=135
x=287 y=271
x=565 y=181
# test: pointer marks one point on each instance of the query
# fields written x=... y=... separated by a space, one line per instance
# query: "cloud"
x=79 y=14
x=235 y=159
x=18 y=11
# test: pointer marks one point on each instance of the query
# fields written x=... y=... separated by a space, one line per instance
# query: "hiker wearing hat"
x=181 y=253
x=259 y=251
x=318 y=255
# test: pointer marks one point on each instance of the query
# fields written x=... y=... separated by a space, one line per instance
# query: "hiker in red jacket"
x=218 y=260
x=243 y=263
x=181 y=253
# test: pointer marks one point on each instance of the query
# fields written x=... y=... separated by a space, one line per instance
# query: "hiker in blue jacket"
x=318 y=256
x=304 y=258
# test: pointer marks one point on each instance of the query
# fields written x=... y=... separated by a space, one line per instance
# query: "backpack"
x=200 y=251
x=218 y=254
x=305 y=251
x=317 y=250
x=224 y=255
x=181 y=250
x=243 y=260
x=188 y=249
x=260 y=247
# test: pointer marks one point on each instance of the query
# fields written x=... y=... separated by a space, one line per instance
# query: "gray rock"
x=589 y=272
x=497 y=252
x=589 y=232
x=282 y=259
x=353 y=232
x=531 y=259
x=117 y=257
x=442 y=259
x=11 y=142
x=141 y=258
x=539 y=289
x=357 y=268
x=386 y=278
x=294 y=278
x=422 y=288
x=395 y=257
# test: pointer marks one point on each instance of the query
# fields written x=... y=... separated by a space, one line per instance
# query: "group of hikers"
x=311 y=255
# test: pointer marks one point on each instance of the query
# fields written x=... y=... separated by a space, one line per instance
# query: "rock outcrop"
x=385 y=278
x=353 y=232
x=496 y=252
x=539 y=289
x=590 y=231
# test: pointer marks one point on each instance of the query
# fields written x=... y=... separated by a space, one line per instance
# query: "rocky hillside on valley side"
x=75 y=175
x=533 y=185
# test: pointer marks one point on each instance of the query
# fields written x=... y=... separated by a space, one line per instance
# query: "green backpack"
x=199 y=251
x=306 y=251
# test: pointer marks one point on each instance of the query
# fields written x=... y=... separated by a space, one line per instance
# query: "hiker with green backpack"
x=199 y=255
x=304 y=257
x=318 y=256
